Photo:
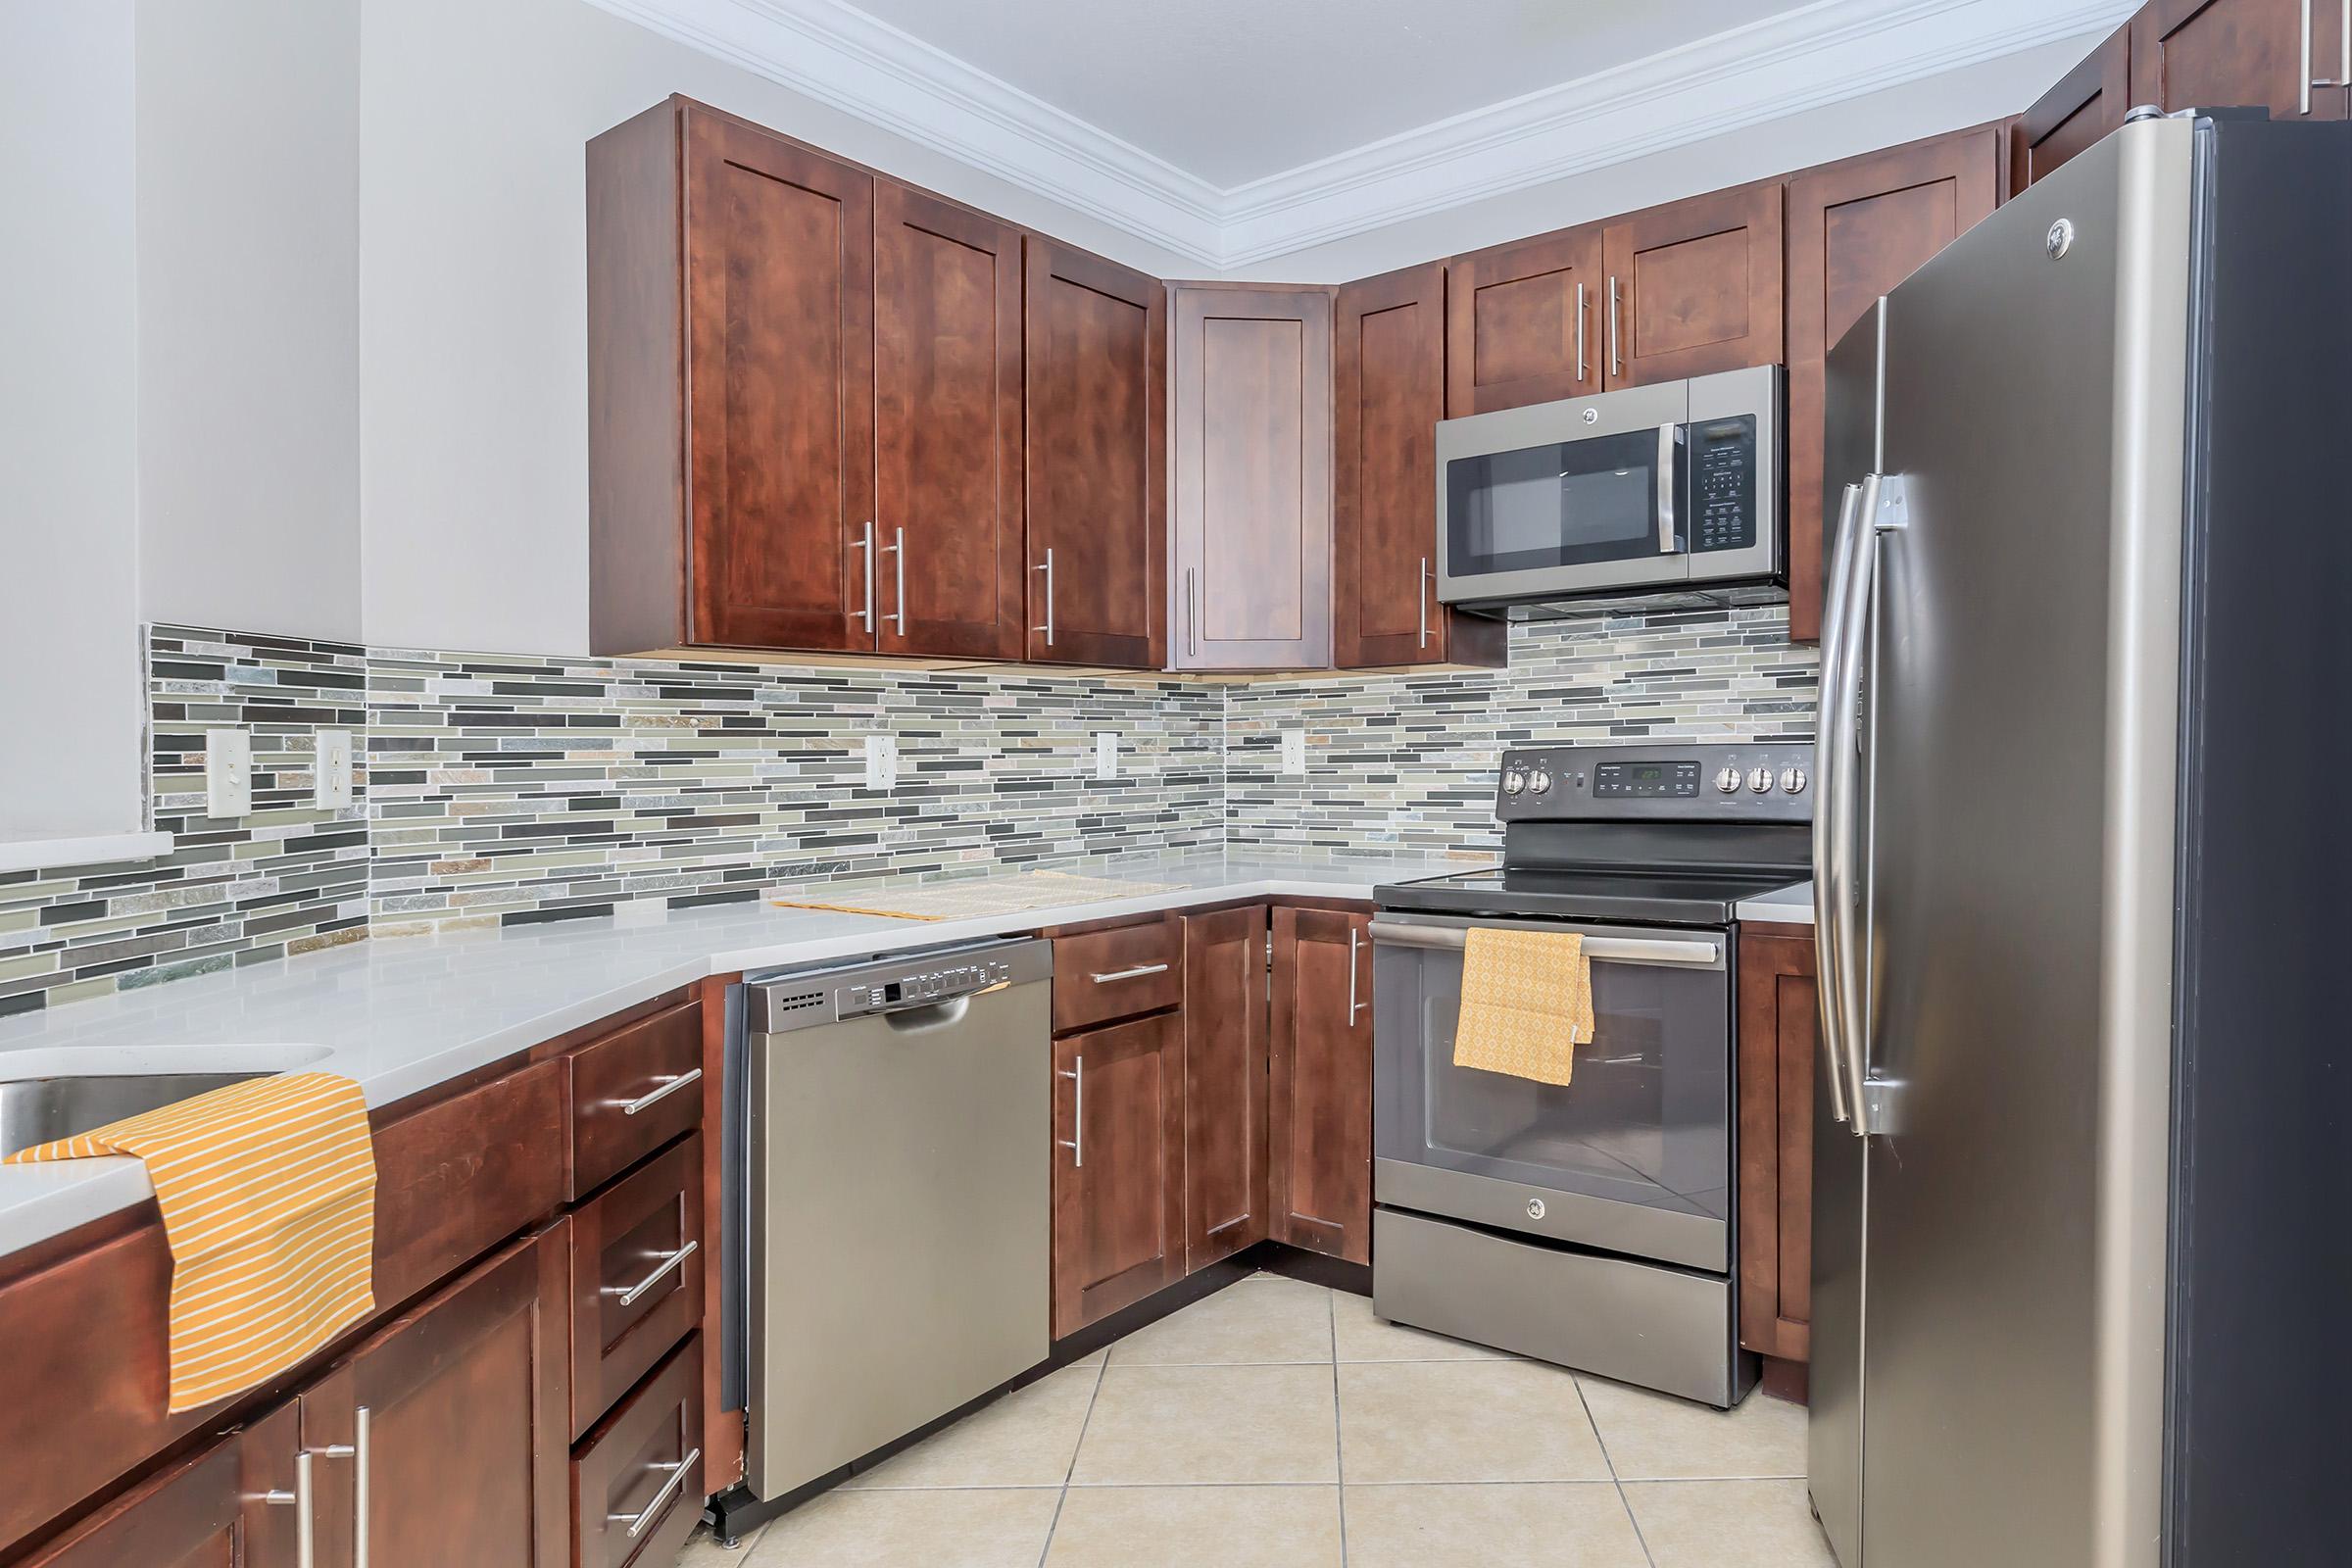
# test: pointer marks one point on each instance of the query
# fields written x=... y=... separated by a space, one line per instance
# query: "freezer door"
x=2016 y=946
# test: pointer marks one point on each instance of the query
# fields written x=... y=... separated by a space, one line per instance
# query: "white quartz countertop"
x=405 y=1013
x=1789 y=906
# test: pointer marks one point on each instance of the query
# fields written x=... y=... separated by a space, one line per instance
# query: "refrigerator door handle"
x=1830 y=746
x=1841 y=708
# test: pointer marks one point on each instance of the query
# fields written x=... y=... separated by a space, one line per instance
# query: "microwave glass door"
x=1563 y=504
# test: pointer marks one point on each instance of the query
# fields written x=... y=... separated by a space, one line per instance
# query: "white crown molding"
x=1817 y=55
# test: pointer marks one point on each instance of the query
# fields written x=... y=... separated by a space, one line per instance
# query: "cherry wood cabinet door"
x=456 y=1418
x=946 y=427
x=1693 y=287
x=1224 y=1083
x=780 y=388
x=1096 y=372
x=212 y=1510
x=1779 y=1013
x=1252 y=477
x=2211 y=53
x=2085 y=105
x=1525 y=322
x=1856 y=228
x=1118 y=1168
x=1320 y=1112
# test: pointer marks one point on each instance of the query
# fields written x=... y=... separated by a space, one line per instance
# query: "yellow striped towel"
x=1527 y=1003
x=267 y=1189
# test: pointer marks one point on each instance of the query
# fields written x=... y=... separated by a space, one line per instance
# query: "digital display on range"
x=1646 y=780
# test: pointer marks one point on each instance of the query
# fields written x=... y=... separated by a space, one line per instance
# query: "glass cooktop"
x=1669 y=896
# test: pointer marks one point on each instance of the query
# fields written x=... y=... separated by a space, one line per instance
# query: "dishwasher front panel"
x=902 y=1224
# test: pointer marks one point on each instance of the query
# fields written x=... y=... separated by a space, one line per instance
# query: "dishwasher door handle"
x=1076 y=1142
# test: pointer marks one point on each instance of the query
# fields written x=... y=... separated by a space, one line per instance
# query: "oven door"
x=1562 y=497
x=1634 y=1157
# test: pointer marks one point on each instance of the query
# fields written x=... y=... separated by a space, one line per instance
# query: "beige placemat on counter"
x=978 y=898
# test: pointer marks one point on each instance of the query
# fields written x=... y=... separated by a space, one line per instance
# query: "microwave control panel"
x=1722 y=484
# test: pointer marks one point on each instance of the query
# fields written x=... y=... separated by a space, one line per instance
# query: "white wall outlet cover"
x=881 y=762
x=330 y=771
x=1293 y=752
x=228 y=773
x=1106 y=754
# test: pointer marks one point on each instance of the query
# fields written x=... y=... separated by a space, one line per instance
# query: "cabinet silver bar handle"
x=306 y=1528
x=1617 y=950
x=362 y=1420
x=667 y=1087
x=1354 y=935
x=1047 y=569
x=1669 y=437
x=2343 y=74
x=638 y=1522
x=1580 y=333
x=866 y=544
x=1192 y=610
x=1425 y=574
x=1136 y=973
x=1616 y=359
x=899 y=551
x=1076 y=1142
x=629 y=1293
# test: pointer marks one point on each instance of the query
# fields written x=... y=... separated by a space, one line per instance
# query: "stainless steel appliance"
x=2083 y=1170
x=900 y=1205
x=1671 y=490
x=1590 y=1224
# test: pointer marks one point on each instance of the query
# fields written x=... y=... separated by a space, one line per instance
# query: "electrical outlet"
x=1293 y=752
x=1106 y=754
x=228 y=773
x=330 y=771
x=881 y=762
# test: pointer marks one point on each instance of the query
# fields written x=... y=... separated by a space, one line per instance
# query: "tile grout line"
x=1609 y=1459
x=1062 y=1498
x=1339 y=1431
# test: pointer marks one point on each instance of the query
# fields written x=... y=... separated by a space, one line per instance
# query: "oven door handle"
x=1611 y=949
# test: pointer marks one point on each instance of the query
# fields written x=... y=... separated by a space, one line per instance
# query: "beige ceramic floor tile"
x=1363 y=1336
x=1190 y=1527
x=1464 y=1421
x=1026 y=1439
x=897 y=1529
x=1727 y=1524
x=701 y=1551
x=1655 y=1437
x=1579 y=1524
x=1254 y=1322
x=1213 y=1424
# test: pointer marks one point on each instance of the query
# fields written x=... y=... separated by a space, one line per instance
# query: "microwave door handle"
x=1669 y=438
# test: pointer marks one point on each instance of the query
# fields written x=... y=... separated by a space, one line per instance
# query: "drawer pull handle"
x=1136 y=973
x=637 y=1522
x=667 y=1087
x=629 y=1293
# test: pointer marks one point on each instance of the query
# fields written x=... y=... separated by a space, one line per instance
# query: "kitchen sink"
x=38 y=1111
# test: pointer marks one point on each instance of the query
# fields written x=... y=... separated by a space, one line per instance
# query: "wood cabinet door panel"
x=603 y=1078
x=946 y=427
x=1694 y=287
x=1224 y=1083
x=1857 y=228
x=2212 y=54
x=1096 y=454
x=1319 y=1125
x=1251 y=478
x=2086 y=104
x=1516 y=335
x=1118 y=1171
x=206 y=1511
x=1778 y=1011
x=630 y=1237
x=624 y=1471
x=1387 y=395
x=780 y=382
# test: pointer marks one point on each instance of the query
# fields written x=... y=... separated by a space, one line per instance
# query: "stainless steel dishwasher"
x=900 y=1200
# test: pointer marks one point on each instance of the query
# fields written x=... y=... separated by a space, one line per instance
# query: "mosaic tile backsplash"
x=508 y=790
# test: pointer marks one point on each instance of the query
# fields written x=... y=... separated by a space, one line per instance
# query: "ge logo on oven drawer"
x=1535 y=1208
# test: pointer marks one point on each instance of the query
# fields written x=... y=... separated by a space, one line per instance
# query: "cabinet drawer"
x=632 y=1091
x=1117 y=973
x=637 y=1481
x=636 y=1277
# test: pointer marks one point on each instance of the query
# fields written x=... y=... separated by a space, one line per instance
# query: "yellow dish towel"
x=1527 y=1003
x=267 y=1189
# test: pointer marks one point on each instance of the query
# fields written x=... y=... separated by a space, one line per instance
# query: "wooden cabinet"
x=230 y=1505
x=1118 y=1178
x=1778 y=1020
x=1250 y=394
x=2085 y=105
x=1388 y=394
x=1856 y=228
x=1319 y=1100
x=1695 y=286
x=638 y=1481
x=1526 y=323
x=1096 y=337
x=2287 y=56
x=1225 y=963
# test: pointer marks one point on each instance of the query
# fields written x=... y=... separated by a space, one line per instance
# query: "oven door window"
x=1646 y=1119
x=1568 y=504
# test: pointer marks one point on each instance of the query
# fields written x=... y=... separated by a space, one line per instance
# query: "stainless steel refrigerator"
x=2082 y=1237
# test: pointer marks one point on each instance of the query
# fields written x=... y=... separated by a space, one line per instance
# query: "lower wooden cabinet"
x=1319 y=1098
x=230 y=1505
x=1118 y=1172
x=638 y=1481
x=1779 y=1032
x=1224 y=1083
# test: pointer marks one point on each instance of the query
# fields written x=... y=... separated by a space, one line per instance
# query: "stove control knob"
x=1538 y=782
x=1793 y=781
x=1514 y=782
x=1728 y=780
x=1760 y=781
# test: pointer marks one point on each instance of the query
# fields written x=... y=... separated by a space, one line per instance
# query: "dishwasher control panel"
x=784 y=1001
x=920 y=987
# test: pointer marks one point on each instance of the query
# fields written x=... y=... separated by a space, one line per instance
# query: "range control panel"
x=1759 y=781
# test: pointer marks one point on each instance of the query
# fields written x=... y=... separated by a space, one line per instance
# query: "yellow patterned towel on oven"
x=267 y=1189
x=1527 y=1003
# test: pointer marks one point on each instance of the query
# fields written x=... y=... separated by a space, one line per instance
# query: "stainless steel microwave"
x=1671 y=490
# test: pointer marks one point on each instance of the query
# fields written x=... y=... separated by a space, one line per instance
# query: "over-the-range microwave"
x=1653 y=495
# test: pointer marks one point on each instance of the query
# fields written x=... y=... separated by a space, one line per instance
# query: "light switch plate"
x=1106 y=754
x=228 y=773
x=1293 y=752
x=330 y=771
x=881 y=762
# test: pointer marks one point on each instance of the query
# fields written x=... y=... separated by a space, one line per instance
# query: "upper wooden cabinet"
x=2086 y=104
x=1251 y=481
x=1693 y=286
x=1097 y=345
x=2287 y=56
x=1526 y=323
x=1857 y=228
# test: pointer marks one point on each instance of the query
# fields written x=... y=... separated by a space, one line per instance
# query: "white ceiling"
x=1229 y=131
